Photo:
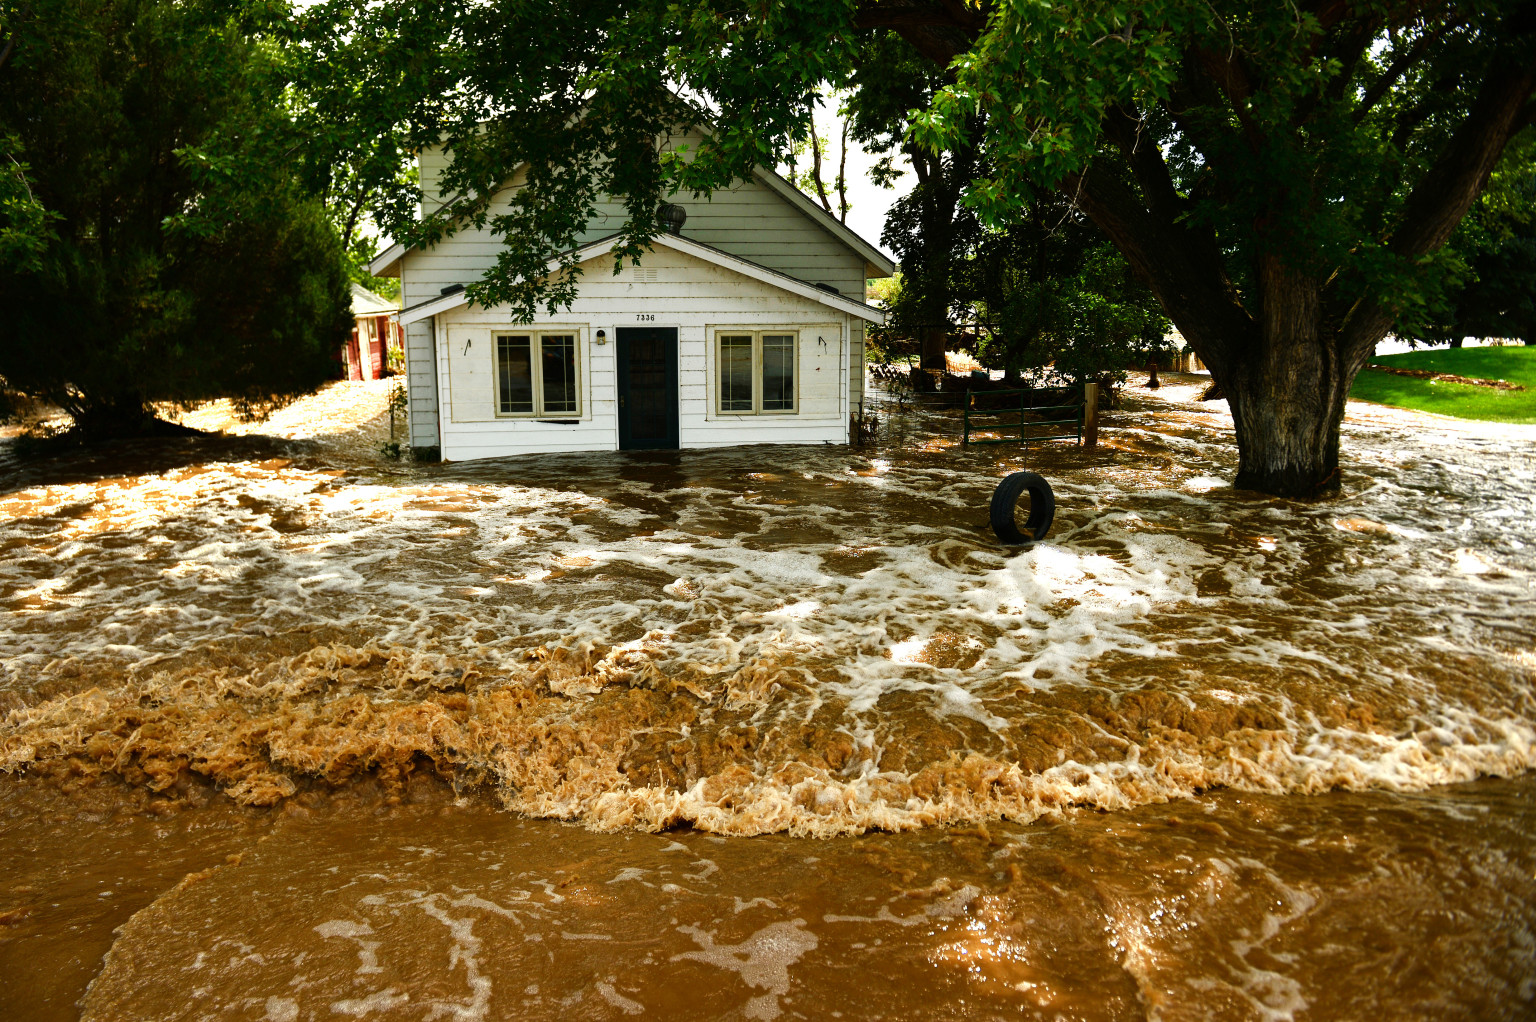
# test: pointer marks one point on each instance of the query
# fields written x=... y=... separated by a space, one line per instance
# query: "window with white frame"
x=756 y=372
x=536 y=375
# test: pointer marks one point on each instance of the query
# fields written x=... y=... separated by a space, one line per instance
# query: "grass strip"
x=1464 y=401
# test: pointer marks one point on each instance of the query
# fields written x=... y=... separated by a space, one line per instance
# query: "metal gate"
x=1003 y=410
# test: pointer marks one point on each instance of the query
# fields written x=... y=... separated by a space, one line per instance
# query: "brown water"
x=272 y=699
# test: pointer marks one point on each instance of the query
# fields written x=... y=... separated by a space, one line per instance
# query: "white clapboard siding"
x=471 y=366
x=856 y=364
x=749 y=220
x=421 y=384
x=677 y=290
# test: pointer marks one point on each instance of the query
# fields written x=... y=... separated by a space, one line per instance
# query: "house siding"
x=421 y=385
x=694 y=297
x=748 y=219
x=856 y=364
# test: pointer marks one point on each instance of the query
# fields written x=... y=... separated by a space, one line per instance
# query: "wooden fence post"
x=1091 y=415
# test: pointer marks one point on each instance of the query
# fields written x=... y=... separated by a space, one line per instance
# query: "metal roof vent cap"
x=672 y=216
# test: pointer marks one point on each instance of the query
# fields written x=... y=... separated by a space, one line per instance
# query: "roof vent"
x=451 y=289
x=672 y=216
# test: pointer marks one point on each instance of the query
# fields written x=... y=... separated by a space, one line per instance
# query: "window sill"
x=541 y=419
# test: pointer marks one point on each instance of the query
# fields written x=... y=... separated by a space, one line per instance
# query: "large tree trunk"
x=117 y=416
x=1287 y=430
x=932 y=356
x=1287 y=392
x=107 y=416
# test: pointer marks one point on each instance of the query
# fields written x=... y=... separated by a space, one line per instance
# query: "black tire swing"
x=1042 y=508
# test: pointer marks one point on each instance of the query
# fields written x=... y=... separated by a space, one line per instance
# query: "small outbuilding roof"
x=708 y=253
x=369 y=303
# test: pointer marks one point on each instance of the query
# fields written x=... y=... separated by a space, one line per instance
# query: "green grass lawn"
x=1515 y=364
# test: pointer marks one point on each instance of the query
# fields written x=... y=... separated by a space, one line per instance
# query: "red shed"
x=374 y=336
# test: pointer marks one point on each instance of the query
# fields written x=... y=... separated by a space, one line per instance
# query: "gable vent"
x=644 y=275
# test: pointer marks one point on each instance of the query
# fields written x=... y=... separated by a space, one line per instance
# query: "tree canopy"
x=156 y=243
x=1490 y=290
x=1283 y=176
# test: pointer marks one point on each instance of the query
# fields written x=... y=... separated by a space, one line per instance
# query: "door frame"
x=621 y=340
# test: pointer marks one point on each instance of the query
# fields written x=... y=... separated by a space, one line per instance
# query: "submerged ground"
x=303 y=723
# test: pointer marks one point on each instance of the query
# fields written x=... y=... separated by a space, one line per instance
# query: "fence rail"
x=1017 y=403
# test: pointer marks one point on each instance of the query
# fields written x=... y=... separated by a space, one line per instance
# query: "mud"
x=291 y=651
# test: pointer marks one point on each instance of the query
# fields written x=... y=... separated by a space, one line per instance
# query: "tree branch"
x=1442 y=198
x=1164 y=203
x=1196 y=295
x=1399 y=67
x=821 y=187
x=1232 y=78
x=842 y=176
x=1193 y=91
x=1123 y=127
x=940 y=30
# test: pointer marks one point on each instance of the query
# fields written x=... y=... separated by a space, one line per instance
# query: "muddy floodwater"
x=291 y=731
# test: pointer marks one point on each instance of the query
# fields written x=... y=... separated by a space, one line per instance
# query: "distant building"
x=374 y=333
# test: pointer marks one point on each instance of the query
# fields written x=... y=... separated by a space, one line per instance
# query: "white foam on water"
x=762 y=960
x=627 y=1005
x=465 y=953
x=879 y=588
x=281 y=1009
x=378 y=1001
x=367 y=950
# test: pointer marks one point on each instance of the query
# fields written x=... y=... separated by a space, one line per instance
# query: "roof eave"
x=387 y=262
x=699 y=250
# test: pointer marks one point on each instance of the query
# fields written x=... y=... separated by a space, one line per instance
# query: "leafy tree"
x=932 y=236
x=1283 y=176
x=1494 y=249
x=359 y=254
x=1501 y=301
x=928 y=229
x=577 y=92
x=813 y=180
x=1054 y=292
x=1045 y=286
x=180 y=257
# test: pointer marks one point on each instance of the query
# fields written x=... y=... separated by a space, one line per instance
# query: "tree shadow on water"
x=60 y=461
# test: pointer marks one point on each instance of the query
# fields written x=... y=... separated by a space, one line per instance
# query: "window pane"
x=778 y=372
x=736 y=373
x=514 y=375
x=557 y=353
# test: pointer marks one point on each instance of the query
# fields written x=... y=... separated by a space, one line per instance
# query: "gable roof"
x=687 y=246
x=385 y=264
x=368 y=303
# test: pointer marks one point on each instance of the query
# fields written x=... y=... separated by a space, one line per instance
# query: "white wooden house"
x=745 y=327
